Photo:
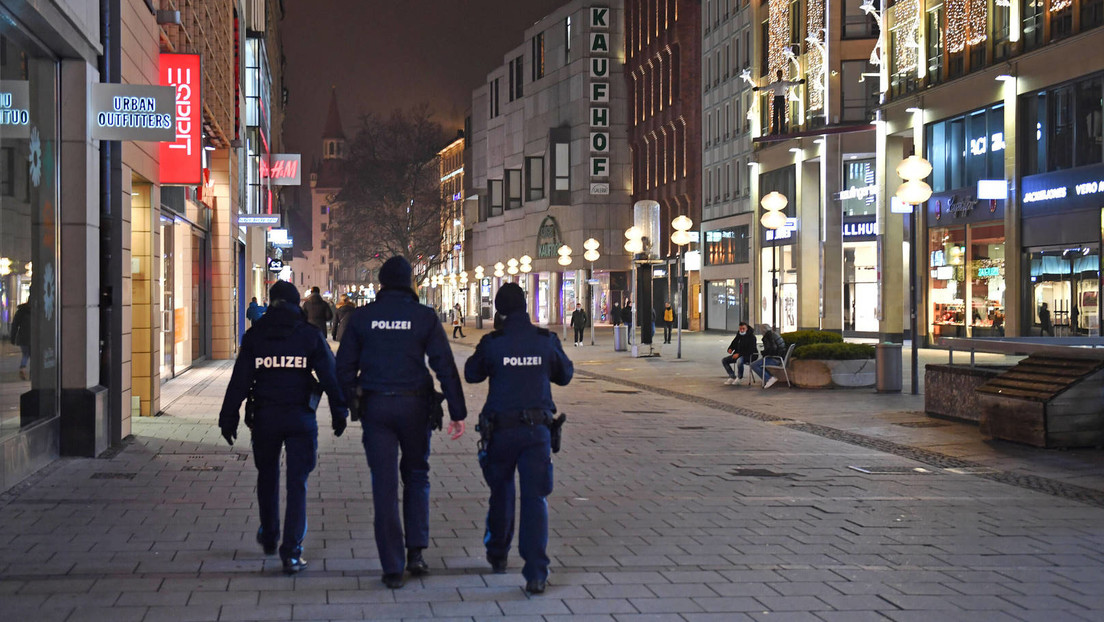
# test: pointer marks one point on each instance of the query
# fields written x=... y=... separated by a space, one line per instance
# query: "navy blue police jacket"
x=276 y=359
x=521 y=360
x=385 y=347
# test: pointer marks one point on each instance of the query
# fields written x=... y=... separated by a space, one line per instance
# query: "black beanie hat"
x=396 y=272
x=282 y=290
x=510 y=298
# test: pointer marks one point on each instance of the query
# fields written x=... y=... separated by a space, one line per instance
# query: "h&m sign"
x=600 y=45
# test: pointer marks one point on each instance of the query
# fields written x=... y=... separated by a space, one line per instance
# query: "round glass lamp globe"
x=774 y=202
x=564 y=260
x=914 y=192
x=512 y=262
x=526 y=268
x=591 y=244
x=564 y=251
x=682 y=223
x=682 y=238
x=591 y=255
x=914 y=167
x=773 y=220
x=525 y=259
x=634 y=233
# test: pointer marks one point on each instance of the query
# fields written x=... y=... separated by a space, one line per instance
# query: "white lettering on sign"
x=391 y=324
x=851 y=229
x=521 y=361
x=858 y=193
x=1089 y=187
x=600 y=68
x=182 y=80
x=280 y=362
x=1045 y=195
x=11 y=112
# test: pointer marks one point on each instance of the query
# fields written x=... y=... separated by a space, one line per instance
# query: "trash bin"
x=887 y=368
x=620 y=338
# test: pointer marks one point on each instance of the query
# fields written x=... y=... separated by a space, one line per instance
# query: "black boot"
x=415 y=564
x=535 y=587
x=393 y=580
x=498 y=564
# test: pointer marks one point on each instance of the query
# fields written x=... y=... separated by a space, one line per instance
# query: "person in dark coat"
x=520 y=360
x=318 y=310
x=344 y=310
x=21 y=336
x=578 y=322
x=615 y=314
x=773 y=345
x=254 y=312
x=273 y=371
x=1045 y=324
x=741 y=351
x=627 y=313
x=382 y=359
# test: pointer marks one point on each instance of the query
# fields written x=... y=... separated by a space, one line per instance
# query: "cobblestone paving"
x=666 y=508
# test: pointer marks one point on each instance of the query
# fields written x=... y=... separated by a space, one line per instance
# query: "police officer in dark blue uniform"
x=382 y=360
x=520 y=359
x=273 y=371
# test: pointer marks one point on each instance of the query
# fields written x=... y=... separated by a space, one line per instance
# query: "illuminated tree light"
x=966 y=22
x=978 y=18
x=779 y=38
x=906 y=25
x=1059 y=5
x=815 y=56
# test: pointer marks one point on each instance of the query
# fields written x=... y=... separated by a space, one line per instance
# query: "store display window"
x=1065 y=286
x=966 y=276
x=29 y=306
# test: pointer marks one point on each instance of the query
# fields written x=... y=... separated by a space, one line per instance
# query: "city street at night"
x=677 y=498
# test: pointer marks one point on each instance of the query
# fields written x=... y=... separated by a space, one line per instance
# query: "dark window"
x=519 y=72
x=860 y=95
x=1032 y=32
x=1060 y=119
x=492 y=97
x=538 y=57
x=322 y=227
x=856 y=24
x=567 y=39
x=727 y=246
x=324 y=210
x=1089 y=111
x=676 y=81
x=7 y=168
x=494 y=196
x=534 y=178
x=1092 y=14
x=1061 y=23
x=513 y=188
x=1033 y=133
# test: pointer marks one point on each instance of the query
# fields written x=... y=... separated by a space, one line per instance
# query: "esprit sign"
x=599 y=99
x=282 y=169
x=181 y=159
x=132 y=112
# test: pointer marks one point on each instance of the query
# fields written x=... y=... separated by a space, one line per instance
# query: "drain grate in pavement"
x=922 y=424
x=889 y=470
x=757 y=473
x=107 y=475
x=201 y=467
x=981 y=470
x=622 y=391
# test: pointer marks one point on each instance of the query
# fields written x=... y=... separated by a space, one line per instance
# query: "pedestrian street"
x=664 y=508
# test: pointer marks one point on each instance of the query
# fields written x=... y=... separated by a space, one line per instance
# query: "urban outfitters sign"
x=132 y=112
x=599 y=99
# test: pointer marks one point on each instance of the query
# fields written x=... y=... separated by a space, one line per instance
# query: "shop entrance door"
x=168 y=286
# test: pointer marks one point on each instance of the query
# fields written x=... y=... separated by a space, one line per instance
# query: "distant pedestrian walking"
x=1045 y=324
x=341 y=317
x=578 y=322
x=318 y=310
x=255 y=311
x=21 y=336
x=668 y=322
x=457 y=323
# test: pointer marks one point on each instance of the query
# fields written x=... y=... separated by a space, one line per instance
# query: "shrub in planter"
x=834 y=351
x=801 y=338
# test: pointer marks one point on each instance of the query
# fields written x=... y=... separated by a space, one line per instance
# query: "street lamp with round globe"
x=681 y=237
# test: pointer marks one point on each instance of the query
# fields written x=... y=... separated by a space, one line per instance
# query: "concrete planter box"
x=824 y=374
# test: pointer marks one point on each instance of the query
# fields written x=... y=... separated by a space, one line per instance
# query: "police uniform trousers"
x=526 y=449
x=298 y=433
x=394 y=423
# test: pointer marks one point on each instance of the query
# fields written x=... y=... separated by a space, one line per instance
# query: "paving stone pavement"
x=666 y=508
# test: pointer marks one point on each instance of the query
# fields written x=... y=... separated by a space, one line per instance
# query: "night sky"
x=383 y=55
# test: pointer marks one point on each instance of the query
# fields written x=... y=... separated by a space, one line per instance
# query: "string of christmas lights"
x=978 y=13
x=815 y=55
x=956 y=25
x=779 y=38
x=1059 y=5
x=906 y=20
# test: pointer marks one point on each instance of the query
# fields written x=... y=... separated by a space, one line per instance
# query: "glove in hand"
x=230 y=433
x=339 y=425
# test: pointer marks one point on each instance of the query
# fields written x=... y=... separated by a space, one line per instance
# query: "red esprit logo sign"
x=181 y=160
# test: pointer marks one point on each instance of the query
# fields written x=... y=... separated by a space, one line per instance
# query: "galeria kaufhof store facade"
x=1009 y=243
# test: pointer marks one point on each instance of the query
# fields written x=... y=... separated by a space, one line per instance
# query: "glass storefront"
x=966 y=280
x=727 y=304
x=29 y=306
x=1065 y=288
x=185 y=283
x=783 y=311
x=860 y=287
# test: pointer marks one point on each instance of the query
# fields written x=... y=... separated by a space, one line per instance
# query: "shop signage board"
x=258 y=220
x=282 y=169
x=962 y=206
x=783 y=234
x=181 y=159
x=279 y=238
x=138 y=112
x=275 y=265
x=548 y=238
x=15 y=104
x=1079 y=188
x=857 y=229
x=599 y=93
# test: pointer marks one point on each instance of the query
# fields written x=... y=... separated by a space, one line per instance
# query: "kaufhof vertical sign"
x=182 y=159
x=599 y=99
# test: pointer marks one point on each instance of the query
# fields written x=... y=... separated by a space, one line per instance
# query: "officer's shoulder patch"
x=543 y=332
